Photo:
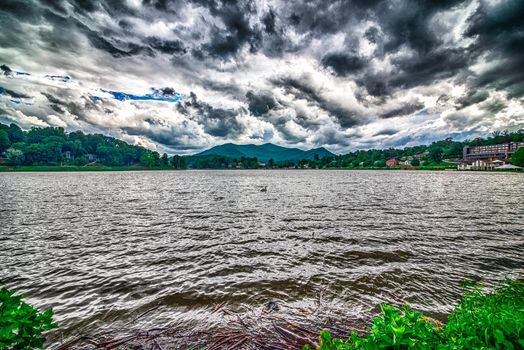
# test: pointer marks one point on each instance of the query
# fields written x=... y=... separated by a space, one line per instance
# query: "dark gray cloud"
x=13 y=94
x=217 y=122
x=386 y=132
x=473 y=97
x=498 y=32
x=170 y=47
x=6 y=70
x=172 y=137
x=495 y=105
x=405 y=109
x=302 y=88
x=342 y=63
x=80 y=108
x=260 y=103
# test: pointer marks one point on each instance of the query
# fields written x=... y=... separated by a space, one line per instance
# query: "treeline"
x=220 y=162
x=429 y=155
x=53 y=146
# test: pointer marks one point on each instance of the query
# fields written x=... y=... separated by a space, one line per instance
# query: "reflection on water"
x=103 y=248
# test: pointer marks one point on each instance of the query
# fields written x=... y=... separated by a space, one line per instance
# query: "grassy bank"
x=481 y=321
x=46 y=168
x=58 y=168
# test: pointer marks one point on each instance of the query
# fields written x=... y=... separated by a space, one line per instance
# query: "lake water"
x=139 y=250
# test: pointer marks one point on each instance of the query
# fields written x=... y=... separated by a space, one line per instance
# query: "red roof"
x=391 y=162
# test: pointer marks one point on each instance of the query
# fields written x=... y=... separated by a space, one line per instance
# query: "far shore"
x=73 y=168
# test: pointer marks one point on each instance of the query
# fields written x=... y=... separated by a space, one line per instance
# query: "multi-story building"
x=490 y=152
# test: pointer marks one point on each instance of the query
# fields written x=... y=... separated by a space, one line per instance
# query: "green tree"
x=15 y=133
x=147 y=159
x=435 y=154
x=518 y=157
x=156 y=158
x=14 y=156
x=415 y=162
x=175 y=161
x=380 y=163
x=164 y=161
x=4 y=141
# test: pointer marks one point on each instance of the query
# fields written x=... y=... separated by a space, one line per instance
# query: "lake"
x=138 y=250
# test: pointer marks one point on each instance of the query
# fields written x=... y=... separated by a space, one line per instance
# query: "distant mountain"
x=265 y=152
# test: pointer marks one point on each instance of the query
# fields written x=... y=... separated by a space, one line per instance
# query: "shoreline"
x=73 y=168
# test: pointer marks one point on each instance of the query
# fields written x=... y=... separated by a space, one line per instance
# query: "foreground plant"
x=480 y=321
x=494 y=321
x=21 y=325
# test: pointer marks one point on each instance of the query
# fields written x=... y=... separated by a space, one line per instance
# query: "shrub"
x=480 y=321
x=21 y=326
x=494 y=321
x=518 y=157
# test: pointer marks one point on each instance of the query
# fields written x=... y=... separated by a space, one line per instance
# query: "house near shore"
x=391 y=162
x=420 y=155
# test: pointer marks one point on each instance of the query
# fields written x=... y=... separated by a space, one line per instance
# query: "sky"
x=182 y=76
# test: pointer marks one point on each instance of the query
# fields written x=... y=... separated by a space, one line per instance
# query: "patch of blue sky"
x=22 y=73
x=19 y=101
x=95 y=99
x=156 y=95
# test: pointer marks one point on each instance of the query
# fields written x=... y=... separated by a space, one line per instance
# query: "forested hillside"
x=53 y=146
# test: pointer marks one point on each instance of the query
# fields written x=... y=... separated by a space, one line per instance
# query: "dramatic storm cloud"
x=180 y=76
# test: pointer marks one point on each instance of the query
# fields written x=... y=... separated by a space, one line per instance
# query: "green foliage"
x=14 y=156
x=480 y=321
x=21 y=326
x=494 y=321
x=179 y=162
x=4 y=141
x=164 y=161
x=435 y=154
x=518 y=157
x=380 y=163
x=220 y=162
x=15 y=133
x=393 y=329
x=53 y=146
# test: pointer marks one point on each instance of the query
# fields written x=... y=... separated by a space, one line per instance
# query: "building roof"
x=508 y=166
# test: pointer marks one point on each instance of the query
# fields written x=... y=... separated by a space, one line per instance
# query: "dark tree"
x=164 y=161
x=518 y=157
x=4 y=141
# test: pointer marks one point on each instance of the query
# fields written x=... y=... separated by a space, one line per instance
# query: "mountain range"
x=265 y=152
